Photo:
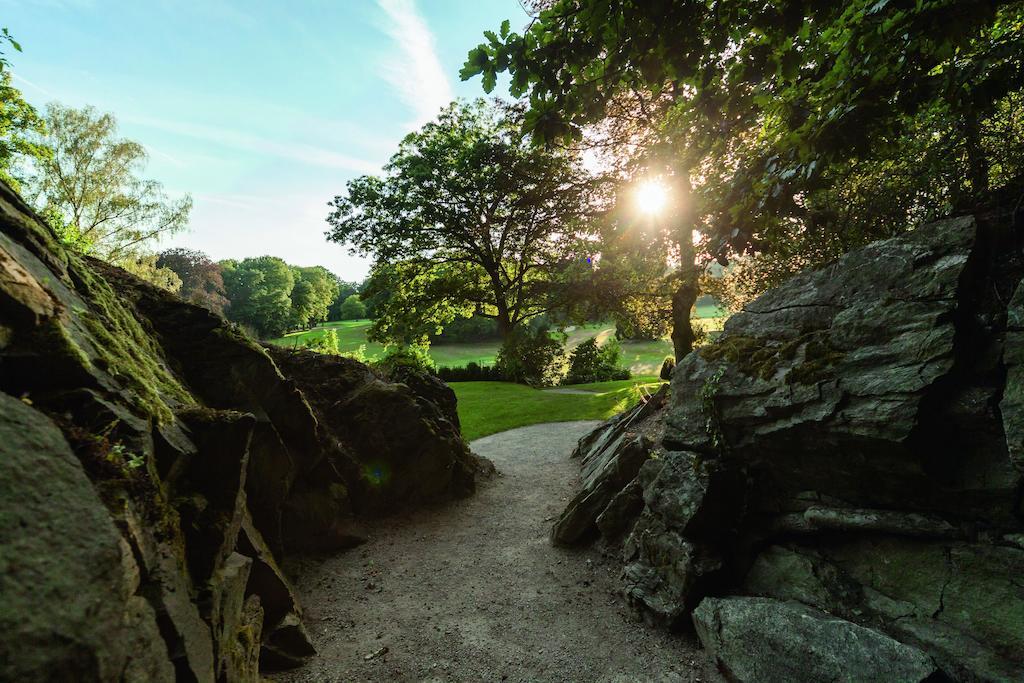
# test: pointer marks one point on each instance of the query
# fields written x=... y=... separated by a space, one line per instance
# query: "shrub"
x=667 y=366
x=534 y=357
x=590 y=362
x=352 y=308
x=324 y=343
x=415 y=357
x=472 y=372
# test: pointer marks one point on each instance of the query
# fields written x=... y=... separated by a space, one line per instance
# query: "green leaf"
x=505 y=28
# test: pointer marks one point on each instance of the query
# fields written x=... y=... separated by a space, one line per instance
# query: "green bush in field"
x=533 y=357
x=352 y=308
x=416 y=357
x=324 y=343
x=590 y=362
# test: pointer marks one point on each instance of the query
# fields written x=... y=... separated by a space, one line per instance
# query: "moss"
x=761 y=358
x=819 y=359
x=751 y=356
x=124 y=349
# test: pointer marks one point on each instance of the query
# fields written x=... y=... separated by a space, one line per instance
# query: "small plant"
x=359 y=354
x=324 y=343
x=416 y=357
x=712 y=418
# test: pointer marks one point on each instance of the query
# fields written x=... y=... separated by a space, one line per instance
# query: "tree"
x=90 y=179
x=315 y=289
x=20 y=124
x=353 y=308
x=784 y=121
x=345 y=290
x=201 y=280
x=260 y=292
x=469 y=217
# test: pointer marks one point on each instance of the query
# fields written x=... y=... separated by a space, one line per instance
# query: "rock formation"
x=838 y=486
x=155 y=462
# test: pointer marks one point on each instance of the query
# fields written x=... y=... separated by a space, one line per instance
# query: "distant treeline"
x=265 y=294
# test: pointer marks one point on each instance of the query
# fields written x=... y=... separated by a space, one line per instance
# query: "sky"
x=260 y=110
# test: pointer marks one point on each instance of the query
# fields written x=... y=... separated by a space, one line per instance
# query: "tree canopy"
x=201 y=280
x=768 y=96
x=469 y=217
x=89 y=185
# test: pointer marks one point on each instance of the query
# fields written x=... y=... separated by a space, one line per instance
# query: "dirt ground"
x=473 y=590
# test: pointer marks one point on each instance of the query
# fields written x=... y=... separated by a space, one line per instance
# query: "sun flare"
x=651 y=197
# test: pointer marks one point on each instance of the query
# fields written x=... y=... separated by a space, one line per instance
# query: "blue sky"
x=260 y=110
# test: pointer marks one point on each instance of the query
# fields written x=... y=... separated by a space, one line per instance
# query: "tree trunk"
x=687 y=288
x=977 y=163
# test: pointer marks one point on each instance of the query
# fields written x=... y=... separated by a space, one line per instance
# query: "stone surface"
x=852 y=442
x=603 y=478
x=67 y=615
x=765 y=641
x=197 y=460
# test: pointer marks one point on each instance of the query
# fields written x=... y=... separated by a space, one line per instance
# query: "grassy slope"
x=491 y=407
x=642 y=357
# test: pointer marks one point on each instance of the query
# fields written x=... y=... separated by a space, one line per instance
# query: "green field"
x=642 y=357
x=491 y=407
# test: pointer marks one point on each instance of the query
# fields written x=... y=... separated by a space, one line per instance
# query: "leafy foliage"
x=803 y=128
x=415 y=357
x=90 y=178
x=201 y=280
x=469 y=219
x=20 y=124
x=260 y=292
x=532 y=356
x=352 y=308
x=590 y=362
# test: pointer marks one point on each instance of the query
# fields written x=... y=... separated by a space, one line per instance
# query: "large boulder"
x=759 y=640
x=68 y=603
x=853 y=441
x=156 y=462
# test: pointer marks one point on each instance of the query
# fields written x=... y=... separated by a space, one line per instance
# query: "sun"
x=651 y=197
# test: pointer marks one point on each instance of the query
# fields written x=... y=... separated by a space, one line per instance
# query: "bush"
x=324 y=343
x=590 y=362
x=667 y=366
x=352 y=308
x=533 y=357
x=415 y=357
x=472 y=372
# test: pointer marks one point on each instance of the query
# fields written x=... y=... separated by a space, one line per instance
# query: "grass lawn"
x=491 y=407
x=642 y=357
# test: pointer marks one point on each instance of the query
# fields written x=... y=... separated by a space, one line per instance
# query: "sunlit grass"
x=491 y=407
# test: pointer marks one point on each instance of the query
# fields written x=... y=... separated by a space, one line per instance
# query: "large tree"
x=316 y=288
x=469 y=218
x=260 y=291
x=201 y=280
x=785 y=122
x=90 y=185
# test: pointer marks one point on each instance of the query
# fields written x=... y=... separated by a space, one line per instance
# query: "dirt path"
x=473 y=591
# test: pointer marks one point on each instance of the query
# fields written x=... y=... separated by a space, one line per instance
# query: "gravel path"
x=473 y=591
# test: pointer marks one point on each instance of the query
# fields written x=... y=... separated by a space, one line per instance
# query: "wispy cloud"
x=38 y=88
x=417 y=75
x=307 y=154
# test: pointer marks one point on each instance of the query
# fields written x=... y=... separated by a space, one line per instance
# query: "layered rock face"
x=155 y=463
x=847 y=457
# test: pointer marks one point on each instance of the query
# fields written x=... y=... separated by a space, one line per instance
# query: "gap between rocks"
x=473 y=590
